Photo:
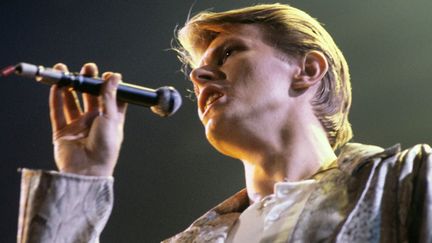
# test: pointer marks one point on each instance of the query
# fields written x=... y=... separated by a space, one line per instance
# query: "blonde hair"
x=293 y=32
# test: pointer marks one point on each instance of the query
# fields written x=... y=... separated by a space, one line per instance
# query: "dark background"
x=168 y=174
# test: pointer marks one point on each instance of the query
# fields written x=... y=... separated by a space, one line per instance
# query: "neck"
x=296 y=159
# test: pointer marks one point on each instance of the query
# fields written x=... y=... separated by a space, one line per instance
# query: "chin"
x=222 y=136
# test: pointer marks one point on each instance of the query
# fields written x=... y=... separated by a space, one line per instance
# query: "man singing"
x=274 y=92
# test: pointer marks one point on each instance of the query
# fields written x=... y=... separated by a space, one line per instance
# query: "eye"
x=226 y=53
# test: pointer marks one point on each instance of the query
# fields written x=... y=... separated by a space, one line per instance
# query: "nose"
x=202 y=75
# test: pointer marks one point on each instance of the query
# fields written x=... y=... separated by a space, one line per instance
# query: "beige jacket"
x=374 y=195
x=63 y=208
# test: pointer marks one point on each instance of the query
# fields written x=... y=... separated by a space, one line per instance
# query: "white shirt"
x=274 y=217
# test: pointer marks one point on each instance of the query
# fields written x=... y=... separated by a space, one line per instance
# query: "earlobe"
x=314 y=66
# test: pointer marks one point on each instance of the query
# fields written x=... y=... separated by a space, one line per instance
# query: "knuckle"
x=89 y=69
x=107 y=75
x=118 y=76
x=60 y=66
x=90 y=64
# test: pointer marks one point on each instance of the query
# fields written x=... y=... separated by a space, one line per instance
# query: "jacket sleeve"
x=60 y=207
x=416 y=192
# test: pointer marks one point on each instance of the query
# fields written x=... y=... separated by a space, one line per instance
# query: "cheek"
x=245 y=77
x=256 y=80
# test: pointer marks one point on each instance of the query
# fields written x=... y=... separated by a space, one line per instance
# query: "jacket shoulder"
x=354 y=155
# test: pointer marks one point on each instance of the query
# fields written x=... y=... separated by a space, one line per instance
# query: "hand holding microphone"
x=87 y=139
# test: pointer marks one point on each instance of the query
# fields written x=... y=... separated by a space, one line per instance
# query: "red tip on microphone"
x=7 y=71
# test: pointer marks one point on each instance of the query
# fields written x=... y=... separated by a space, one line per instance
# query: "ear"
x=313 y=66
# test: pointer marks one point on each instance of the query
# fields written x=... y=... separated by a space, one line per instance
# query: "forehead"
x=240 y=30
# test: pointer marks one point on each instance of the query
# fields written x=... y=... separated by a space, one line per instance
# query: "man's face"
x=243 y=88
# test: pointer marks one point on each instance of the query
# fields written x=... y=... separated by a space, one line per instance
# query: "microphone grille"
x=169 y=101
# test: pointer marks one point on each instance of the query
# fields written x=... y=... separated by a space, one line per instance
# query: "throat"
x=261 y=177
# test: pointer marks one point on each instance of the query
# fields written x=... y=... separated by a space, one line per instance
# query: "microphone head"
x=169 y=101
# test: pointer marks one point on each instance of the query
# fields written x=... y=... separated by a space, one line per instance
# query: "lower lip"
x=209 y=107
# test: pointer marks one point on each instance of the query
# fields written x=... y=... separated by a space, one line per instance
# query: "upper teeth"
x=211 y=99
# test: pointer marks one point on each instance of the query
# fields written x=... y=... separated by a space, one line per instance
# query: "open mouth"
x=211 y=99
x=208 y=97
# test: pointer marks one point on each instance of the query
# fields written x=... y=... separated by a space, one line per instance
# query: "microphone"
x=163 y=101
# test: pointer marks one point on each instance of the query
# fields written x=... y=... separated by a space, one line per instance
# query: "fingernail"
x=106 y=75
x=60 y=66
x=89 y=68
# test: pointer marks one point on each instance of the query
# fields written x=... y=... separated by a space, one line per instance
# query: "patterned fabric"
x=374 y=195
x=273 y=217
x=63 y=207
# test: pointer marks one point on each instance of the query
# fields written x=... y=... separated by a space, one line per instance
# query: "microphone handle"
x=163 y=101
x=129 y=93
